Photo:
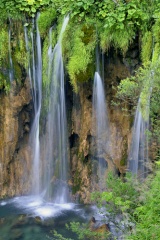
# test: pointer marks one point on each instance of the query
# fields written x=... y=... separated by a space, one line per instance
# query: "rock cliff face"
x=15 y=120
x=14 y=151
x=82 y=132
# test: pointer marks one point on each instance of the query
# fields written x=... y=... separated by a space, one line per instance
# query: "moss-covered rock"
x=46 y=20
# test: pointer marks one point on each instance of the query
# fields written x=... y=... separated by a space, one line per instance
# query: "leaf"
x=26 y=24
x=33 y=9
x=79 y=3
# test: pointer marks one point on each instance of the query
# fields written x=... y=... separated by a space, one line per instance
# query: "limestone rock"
x=14 y=153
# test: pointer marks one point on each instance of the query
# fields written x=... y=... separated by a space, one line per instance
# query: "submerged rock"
x=16 y=233
x=98 y=226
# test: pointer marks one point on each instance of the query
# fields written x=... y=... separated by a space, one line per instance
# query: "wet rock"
x=82 y=135
x=99 y=227
x=26 y=128
x=14 y=114
x=102 y=229
x=16 y=234
x=38 y=219
x=19 y=221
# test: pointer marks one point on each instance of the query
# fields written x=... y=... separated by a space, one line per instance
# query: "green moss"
x=156 y=35
x=147 y=46
x=105 y=40
x=118 y=38
x=20 y=53
x=81 y=156
x=81 y=55
x=89 y=34
x=129 y=90
x=156 y=29
x=3 y=46
x=45 y=21
x=77 y=182
x=85 y=76
x=45 y=62
x=4 y=83
x=156 y=53
x=123 y=161
x=17 y=72
x=122 y=38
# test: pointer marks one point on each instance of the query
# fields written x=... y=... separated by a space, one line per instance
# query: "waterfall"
x=138 y=155
x=56 y=140
x=11 y=75
x=100 y=121
x=29 y=55
x=37 y=108
x=35 y=76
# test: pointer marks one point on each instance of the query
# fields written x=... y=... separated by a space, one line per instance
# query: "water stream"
x=138 y=155
x=26 y=218
x=100 y=121
x=56 y=150
x=35 y=76
x=11 y=72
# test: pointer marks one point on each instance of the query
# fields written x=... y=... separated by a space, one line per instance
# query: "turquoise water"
x=30 y=218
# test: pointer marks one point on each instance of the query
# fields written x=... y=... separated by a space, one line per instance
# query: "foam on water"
x=47 y=211
x=3 y=203
x=36 y=206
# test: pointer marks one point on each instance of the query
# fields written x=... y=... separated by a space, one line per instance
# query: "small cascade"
x=35 y=76
x=28 y=55
x=100 y=121
x=138 y=155
x=11 y=75
x=56 y=144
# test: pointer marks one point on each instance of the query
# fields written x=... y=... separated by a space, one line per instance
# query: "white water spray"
x=56 y=149
x=10 y=56
x=100 y=121
x=138 y=155
x=35 y=76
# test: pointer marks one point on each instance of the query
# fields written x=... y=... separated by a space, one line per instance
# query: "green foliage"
x=18 y=50
x=3 y=46
x=81 y=56
x=82 y=231
x=19 y=47
x=117 y=22
x=129 y=89
x=58 y=236
x=122 y=21
x=156 y=36
x=16 y=9
x=147 y=46
x=78 y=8
x=30 y=7
x=4 y=83
x=148 y=212
x=120 y=197
x=9 y=9
x=138 y=203
x=45 y=21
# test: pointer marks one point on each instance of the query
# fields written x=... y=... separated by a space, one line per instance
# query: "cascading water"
x=56 y=148
x=100 y=121
x=138 y=155
x=35 y=75
x=10 y=55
